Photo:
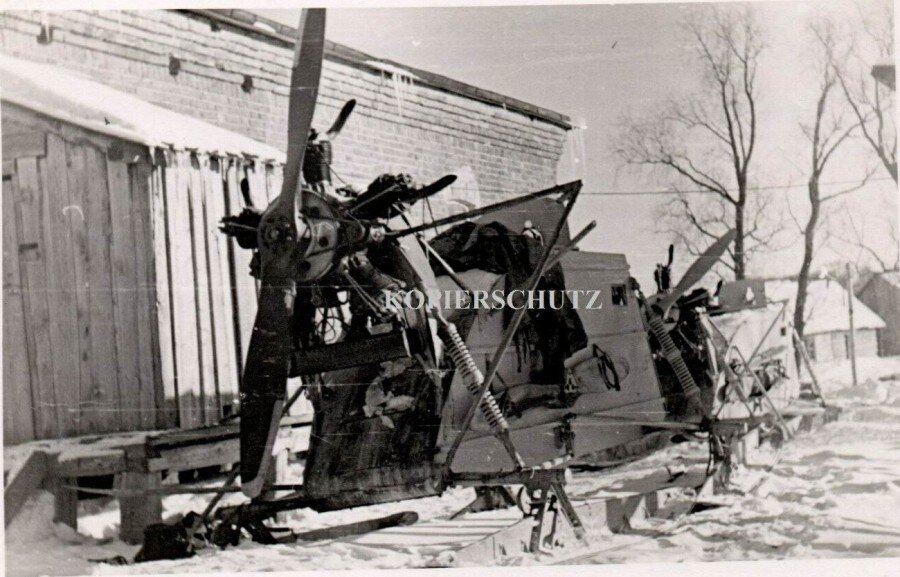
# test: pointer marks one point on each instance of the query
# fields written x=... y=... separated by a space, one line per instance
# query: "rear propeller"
x=263 y=384
x=319 y=154
x=697 y=270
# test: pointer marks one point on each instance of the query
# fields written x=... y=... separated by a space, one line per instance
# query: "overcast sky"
x=597 y=63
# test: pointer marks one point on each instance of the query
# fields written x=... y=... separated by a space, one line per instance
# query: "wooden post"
x=65 y=508
x=137 y=512
x=852 y=350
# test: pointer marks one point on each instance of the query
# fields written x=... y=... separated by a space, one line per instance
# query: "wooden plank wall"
x=125 y=307
x=76 y=286
x=212 y=298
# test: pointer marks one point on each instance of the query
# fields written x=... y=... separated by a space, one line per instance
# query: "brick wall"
x=400 y=123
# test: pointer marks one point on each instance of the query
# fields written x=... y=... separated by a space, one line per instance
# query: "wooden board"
x=18 y=420
x=244 y=286
x=106 y=395
x=32 y=250
x=62 y=301
x=184 y=312
x=163 y=296
x=200 y=261
x=151 y=388
x=221 y=306
x=105 y=462
x=87 y=418
x=124 y=293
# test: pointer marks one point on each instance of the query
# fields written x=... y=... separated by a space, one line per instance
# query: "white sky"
x=597 y=63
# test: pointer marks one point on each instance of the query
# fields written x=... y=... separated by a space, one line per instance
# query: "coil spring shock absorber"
x=676 y=361
x=472 y=379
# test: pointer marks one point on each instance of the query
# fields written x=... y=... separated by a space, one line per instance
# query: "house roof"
x=826 y=306
x=883 y=71
x=891 y=277
x=287 y=35
x=80 y=101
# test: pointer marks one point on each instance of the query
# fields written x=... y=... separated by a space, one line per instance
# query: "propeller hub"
x=277 y=232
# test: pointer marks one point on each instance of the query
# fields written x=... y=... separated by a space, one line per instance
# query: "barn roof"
x=826 y=306
x=77 y=100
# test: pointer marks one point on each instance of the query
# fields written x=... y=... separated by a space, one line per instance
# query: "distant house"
x=827 y=331
x=881 y=293
x=883 y=72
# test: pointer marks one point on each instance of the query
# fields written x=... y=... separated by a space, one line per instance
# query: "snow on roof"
x=826 y=306
x=77 y=100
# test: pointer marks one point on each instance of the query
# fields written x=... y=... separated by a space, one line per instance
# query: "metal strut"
x=510 y=331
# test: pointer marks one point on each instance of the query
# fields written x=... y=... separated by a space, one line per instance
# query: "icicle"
x=401 y=82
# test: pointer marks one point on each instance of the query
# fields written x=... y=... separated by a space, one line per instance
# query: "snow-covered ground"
x=834 y=492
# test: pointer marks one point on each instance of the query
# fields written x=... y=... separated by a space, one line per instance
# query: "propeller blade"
x=698 y=270
x=245 y=192
x=263 y=384
x=340 y=120
x=305 y=75
x=435 y=187
x=263 y=387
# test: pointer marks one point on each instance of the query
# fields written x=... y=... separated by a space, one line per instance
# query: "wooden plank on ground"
x=221 y=308
x=200 y=253
x=152 y=389
x=25 y=481
x=162 y=323
x=125 y=287
x=32 y=258
x=18 y=419
x=184 y=309
x=106 y=462
x=62 y=302
x=196 y=456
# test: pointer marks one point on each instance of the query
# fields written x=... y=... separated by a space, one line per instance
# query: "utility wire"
x=692 y=191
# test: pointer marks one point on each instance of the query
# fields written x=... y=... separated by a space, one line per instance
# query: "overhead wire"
x=693 y=191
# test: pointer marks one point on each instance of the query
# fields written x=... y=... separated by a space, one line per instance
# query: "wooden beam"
x=104 y=463
x=196 y=456
x=29 y=145
x=24 y=482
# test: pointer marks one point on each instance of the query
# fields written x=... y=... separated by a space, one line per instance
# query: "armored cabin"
x=127 y=136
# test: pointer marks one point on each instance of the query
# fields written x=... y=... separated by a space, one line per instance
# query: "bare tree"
x=830 y=129
x=707 y=141
x=871 y=100
x=862 y=255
